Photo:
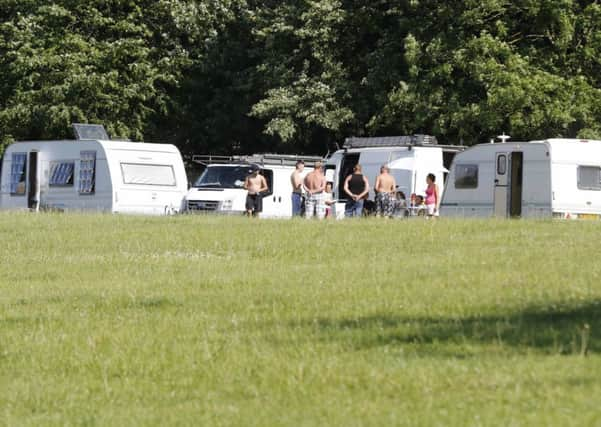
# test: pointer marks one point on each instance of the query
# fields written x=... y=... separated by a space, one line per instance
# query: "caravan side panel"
x=147 y=178
x=56 y=177
x=469 y=190
x=95 y=196
x=537 y=179
x=576 y=172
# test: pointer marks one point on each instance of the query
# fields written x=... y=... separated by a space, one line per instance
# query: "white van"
x=410 y=159
x=220 y=188
x=549 y=178
x=98 y=175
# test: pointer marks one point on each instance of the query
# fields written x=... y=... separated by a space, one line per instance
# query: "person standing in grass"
x=328 y=199
x=400 y=205
x=385 y=187
x=297 y=188
x=255 y=184
x=356 y=187
x=315 y=184
x=432 y=196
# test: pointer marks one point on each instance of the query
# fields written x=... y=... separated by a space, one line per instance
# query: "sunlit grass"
x=229 y=321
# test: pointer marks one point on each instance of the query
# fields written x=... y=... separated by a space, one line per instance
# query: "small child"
x=419 y=208
x=328 y=199
x=399 y=205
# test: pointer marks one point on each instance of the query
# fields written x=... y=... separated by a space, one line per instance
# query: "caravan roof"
x=560 y=149
x=106 y=144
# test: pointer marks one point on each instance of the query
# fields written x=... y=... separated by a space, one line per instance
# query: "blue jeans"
x=353 y=208
x=296 y=204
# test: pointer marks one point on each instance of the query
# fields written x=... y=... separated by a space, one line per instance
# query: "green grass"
x=116 y=320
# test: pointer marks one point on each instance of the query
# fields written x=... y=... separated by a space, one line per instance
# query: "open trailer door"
x=33 y=183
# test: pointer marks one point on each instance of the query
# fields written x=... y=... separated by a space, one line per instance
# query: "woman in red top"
x=432 y=196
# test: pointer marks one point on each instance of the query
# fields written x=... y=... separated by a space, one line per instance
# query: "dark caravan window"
x=17 y=174
x=501 y=164
x=589 y=178
x=61 y=174
x=87 y=172
x=466 y=176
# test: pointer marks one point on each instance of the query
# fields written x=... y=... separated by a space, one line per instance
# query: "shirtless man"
x=315 y=184
x=385 y=188
x=255 y=184
x=297 y=188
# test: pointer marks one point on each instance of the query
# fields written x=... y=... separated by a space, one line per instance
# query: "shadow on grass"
x=553 y=329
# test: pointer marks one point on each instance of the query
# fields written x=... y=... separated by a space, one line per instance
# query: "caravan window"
x=17 y=173
x=466 y=176
x=87 y=172
x=589 y=178
x=143 y=174
x=501 y=164
x=61 y=173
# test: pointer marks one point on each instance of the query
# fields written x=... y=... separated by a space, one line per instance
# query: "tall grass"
x=230 y=321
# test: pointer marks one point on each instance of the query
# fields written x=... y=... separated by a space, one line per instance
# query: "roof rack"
x=206 y=159
x=259 y=159
x=390 y=141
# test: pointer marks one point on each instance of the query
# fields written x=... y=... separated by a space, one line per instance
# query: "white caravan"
x=97 y=175
x=558 y=178
x=410 y=159
x=220 y=187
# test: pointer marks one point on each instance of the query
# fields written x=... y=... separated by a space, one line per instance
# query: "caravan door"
x=501 y=193
x=272 y=198
x=346 y=168
x=33 y=184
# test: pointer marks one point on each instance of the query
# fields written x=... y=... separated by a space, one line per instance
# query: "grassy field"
x=115 y=320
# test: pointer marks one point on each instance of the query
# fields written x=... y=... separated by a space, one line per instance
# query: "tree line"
x=243 y=76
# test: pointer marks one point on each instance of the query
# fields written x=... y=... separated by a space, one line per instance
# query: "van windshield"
x=222 y=177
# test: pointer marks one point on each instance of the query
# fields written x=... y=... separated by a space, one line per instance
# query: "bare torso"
x=315 y=182
x=255 y=184
x=296 y=181
x=385 y=183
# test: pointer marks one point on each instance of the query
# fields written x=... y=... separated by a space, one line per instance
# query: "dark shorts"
x=254 y=202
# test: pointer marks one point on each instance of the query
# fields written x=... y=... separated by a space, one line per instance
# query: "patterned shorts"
x=384 y=204
x=315 y=206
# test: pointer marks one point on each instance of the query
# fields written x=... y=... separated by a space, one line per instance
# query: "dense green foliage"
x=245 y=75
x=223 y=321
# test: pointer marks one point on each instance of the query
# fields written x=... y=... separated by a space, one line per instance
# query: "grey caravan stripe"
x=456 y=205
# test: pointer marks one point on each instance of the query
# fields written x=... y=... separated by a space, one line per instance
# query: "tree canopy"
x=228 y=76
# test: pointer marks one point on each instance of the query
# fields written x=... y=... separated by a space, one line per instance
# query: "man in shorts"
x=315 y=184
x=297 y=188
x=255 y=184
x=385 y=189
